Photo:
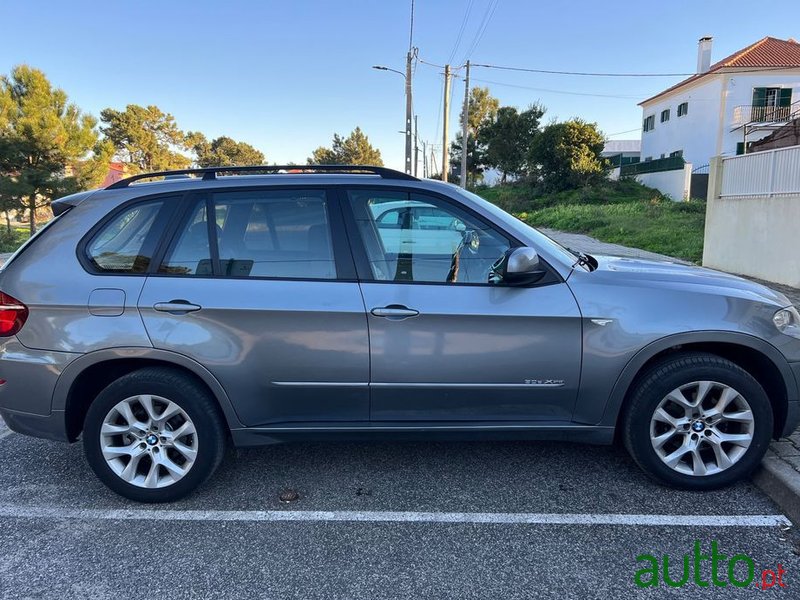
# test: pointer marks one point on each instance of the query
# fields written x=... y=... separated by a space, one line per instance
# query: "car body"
x=298 y=322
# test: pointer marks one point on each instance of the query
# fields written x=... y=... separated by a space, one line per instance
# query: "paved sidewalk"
x=780 y=473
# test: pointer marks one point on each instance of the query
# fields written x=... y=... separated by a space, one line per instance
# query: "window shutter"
x=759 y=96
x=785 y=97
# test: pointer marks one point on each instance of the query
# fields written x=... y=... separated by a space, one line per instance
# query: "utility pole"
x=465 y=131
x=416 y=146
x=446 y=132
x=424 y=160
x=409 y=105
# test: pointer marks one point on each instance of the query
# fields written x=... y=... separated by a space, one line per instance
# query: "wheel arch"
x=85 y=377
x=759 y=358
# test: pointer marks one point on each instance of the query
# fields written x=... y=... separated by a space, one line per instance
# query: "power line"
x=411 y=32
x=461 y=30
x=595 y=74
x=568 y=93
x=581 y=73
x=487 y=17
x=626 y=131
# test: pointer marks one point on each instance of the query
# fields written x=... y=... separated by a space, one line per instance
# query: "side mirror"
x=517 y=266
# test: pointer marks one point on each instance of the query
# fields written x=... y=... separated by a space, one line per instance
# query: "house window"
x=683 y=109
x=649 y=123
x=771 y=104
x=664 y=116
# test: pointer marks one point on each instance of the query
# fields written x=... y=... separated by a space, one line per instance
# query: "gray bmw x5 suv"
x=160 y=320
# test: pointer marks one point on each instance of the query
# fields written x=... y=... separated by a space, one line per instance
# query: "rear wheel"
x=154 y=435
x=698 y=421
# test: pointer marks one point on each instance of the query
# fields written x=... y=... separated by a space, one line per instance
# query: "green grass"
x=9 y=243
x=623 y=212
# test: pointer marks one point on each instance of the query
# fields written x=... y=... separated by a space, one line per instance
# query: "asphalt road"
x=201 y=548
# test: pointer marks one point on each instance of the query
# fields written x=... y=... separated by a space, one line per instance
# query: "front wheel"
x=698 y=421
x=153 y=435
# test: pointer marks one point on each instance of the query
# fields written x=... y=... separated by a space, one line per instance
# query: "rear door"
x=258 y=285
x=445 y=343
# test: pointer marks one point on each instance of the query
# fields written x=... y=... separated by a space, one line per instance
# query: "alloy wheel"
x=702 y=428
x=148 y=441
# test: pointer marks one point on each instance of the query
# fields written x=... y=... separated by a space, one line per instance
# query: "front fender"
x=635 y=364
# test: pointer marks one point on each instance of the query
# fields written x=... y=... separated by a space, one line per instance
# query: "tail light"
x=13 y=314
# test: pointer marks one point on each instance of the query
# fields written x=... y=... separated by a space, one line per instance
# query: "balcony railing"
x=747 y=113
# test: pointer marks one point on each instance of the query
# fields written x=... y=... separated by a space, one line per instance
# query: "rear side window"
x=191 y=254
x=126 y=243
x=268 y=233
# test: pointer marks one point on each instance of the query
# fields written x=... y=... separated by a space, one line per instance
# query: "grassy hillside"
x=622 y=212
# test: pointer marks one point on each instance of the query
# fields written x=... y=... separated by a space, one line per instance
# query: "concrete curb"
x=781 y=483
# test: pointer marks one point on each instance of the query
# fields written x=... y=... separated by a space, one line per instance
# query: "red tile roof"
x=766 y=53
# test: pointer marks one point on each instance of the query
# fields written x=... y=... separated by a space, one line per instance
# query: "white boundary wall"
x=674 y=184
x=753 y=215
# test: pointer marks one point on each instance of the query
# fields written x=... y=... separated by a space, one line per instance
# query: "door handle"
x=176 y=307
x=395 y=312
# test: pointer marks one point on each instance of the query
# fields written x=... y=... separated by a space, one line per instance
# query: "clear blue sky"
x=284 y=76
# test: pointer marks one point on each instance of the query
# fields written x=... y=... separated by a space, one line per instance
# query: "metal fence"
x=670 y=163
x=767 y=173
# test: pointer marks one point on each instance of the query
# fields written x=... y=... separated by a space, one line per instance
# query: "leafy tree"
x=355 y=149
x=482 y=109
x=475 y=160
x=568 y=154
x=44 y=140
x=222 y=151
x=509 y=138
x=145 y=138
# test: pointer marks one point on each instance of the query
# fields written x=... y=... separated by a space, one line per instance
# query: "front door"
x=264 y=296
x=445 y=344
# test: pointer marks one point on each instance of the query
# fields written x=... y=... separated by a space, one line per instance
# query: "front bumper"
x=793 y=407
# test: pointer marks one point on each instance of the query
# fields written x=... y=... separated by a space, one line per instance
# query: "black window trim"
x=342 y=256
x=170 y=202
x=359 y=252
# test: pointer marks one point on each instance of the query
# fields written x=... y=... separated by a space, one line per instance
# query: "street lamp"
x=407 y=77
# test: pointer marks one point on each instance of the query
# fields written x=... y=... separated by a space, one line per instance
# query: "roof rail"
x=210 y=173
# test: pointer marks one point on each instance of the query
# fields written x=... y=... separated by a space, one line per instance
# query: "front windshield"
x=540 y=239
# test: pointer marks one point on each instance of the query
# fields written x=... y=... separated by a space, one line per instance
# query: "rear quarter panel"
x=48 y=278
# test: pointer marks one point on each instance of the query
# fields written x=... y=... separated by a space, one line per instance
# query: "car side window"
x=126 y=243
x=191 y=252
x=272 y=233
x=416 y=237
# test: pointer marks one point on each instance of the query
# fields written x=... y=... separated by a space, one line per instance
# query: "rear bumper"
x=50 y=427
x=26 y=396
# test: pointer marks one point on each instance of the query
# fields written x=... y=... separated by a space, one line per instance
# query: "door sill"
x=416 y=430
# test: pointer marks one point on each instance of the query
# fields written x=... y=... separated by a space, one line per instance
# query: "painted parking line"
x=36 y=512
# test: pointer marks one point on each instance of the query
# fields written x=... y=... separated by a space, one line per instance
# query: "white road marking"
x=5 y=434
x=36 y=512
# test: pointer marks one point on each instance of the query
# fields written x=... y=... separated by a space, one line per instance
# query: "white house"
x=622 y=152
x=725 y=105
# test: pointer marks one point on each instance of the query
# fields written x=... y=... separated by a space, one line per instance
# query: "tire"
x=173 y=453
x=697 y=447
